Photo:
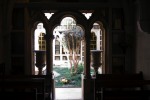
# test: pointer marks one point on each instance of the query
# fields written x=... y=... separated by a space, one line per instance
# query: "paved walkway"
x=68 y=93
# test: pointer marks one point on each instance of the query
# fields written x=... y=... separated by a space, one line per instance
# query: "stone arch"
x=58 y=16
x=82 y=22
x=54 y=21
x=36 y=18
x=98 y=18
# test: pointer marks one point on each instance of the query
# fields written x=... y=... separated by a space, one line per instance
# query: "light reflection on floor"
x=68 y=93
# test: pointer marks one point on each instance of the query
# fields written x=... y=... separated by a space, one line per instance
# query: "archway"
x=98 y=42
x=50 y=26
x=68 y=58
x=62 y=16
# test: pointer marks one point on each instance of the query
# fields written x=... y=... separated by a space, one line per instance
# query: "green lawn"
x=72 y=80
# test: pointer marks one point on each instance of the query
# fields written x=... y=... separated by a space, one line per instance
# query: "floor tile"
x=68 y=93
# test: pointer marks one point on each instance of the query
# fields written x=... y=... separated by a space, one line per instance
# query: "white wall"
x=143 y=52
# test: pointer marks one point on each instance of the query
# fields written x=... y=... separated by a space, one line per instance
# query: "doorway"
x=68 y=60
x=57 y=33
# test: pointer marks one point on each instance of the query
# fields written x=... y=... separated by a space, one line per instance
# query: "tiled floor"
x=68 y=93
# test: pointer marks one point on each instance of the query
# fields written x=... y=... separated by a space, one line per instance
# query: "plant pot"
x=96 y=59
x=40 y=60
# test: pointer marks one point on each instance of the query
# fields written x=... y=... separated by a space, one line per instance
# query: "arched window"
x=42 y=42
x=93 y=41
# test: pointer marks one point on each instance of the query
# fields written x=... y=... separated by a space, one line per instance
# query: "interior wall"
x=142 y=41
x=144 y=15
x=143 y=53
x=1 y=42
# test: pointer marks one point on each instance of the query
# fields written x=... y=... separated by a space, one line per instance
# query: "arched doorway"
x=68 y=58
x=81 y=20
x=61 y=15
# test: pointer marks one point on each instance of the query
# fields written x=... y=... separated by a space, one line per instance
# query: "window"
x=42 y=42
x=57 y=47
x=93 y=41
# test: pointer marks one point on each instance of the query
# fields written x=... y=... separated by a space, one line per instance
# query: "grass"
x=72 y=80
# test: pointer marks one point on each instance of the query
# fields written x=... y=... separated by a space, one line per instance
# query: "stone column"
x=87 y=82
x=87 y=55
x=49 y=53
x=49 y=61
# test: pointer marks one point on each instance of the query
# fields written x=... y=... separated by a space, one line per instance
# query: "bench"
x=35 y=83
x=28 y=88
x=121 y=87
